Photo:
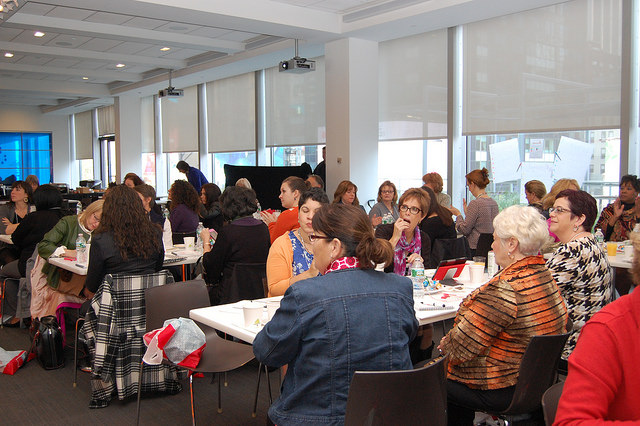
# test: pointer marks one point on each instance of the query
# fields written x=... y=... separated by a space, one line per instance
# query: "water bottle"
x=165 y=212
x=600 y=238
x=81 y=250
x=78 y=208
x=387 y=218
x=492 y=266
x=199 y=229
x=417 y=278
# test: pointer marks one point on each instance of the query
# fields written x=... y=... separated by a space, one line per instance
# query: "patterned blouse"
x=581 y=270
x=496 y=322
x=479 y=219
x=623 y=226
x=301 y=258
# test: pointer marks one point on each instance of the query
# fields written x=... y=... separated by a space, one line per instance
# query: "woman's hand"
x=6 y=221
x=70 y=253
x=413 y=257
x=267 y=217
x=10 y=228
x=398 y=228
x=454 y=211
x=376 y=220
x=205 y=237
x=618 y=209
x=313 y=271
x=442 y=344
x=464 y=205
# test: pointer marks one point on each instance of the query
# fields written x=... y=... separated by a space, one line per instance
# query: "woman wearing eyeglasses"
x=579 y=265
x=350 y=318
x=386 y=209
x=479 y=213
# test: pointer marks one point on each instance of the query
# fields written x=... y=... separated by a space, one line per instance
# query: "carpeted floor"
x=34 y=396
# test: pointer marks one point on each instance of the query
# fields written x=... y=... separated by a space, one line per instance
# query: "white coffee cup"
x=628 y=251
x=272 y=307
x=477 y=273
x=252 y=313
x=190 y=243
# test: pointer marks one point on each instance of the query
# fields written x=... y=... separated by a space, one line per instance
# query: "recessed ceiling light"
x=38 y=34
x=85 y=78
x=8 y=55
x=120 y=66
x=164 y=49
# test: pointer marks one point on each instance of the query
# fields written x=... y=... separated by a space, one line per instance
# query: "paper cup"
x=479 y=260
x=477 y=273
x=252 y=313
x=628 y=252
x=272 y=307
x=189 y=243
x=612 y=248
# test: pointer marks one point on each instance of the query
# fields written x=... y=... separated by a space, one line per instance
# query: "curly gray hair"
x=525 y=224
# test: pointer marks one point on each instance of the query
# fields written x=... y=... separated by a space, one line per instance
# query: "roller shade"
x=147 y=118
x=231 y=114
x=180 y=122
x=106 y=121
x=83 y=128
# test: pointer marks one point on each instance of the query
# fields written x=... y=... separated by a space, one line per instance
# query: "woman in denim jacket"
x=350 y=318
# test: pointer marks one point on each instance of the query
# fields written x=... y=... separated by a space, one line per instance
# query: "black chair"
x=550 y=401
x=484 y=245
x=178 y=237
x=176 y=300
x=449 y=248
x=407 y=397
x=246 y=282
x=536 y=374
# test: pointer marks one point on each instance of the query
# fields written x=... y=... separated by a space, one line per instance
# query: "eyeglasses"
x=558 y=210
x=313 y=238
x=95 y=218
x=387 y=191
x=412 y=210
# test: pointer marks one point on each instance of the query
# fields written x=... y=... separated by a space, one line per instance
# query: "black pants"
x=463 y=402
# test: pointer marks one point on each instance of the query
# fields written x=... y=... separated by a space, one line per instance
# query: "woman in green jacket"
x=61 y=241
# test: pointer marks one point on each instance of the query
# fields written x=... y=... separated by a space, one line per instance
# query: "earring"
x=25 y=200
x=575 y=228
x=510 y=255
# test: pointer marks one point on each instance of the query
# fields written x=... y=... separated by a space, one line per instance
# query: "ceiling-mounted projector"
x=171 y=92
x=298 y=65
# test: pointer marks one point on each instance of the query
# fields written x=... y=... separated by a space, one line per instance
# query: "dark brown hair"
x=134 y=177
x=479 y=177
x=124 y=217
x=182 y=192
x=296 y=183
x=581 y=203
x=395 y=191
x=536 y=187
x=27 y=189
x=435 y=207
x=342 y=189
x=351 y=225
x=211 y=194
x=237 y=202
x=434 y=179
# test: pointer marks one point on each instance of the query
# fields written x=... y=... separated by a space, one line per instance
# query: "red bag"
x=180 y=341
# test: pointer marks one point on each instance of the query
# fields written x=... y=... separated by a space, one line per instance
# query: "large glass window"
x=23 y=154
x=192 y=158
x=243 y=158
x=592 y=157
x=149 y=168
x=296 y=155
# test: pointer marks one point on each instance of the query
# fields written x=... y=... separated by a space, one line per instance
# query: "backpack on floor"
x=48 y=343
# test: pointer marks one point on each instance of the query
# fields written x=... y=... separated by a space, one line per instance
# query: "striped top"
x=495 y=323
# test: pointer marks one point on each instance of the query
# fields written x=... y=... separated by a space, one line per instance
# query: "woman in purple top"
x=479 y=214
x=184 y=207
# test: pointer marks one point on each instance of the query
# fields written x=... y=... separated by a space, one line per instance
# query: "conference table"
x=433 y=307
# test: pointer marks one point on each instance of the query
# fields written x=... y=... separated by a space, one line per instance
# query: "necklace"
x=304 y=245
x=484 y=194
x=576 y=234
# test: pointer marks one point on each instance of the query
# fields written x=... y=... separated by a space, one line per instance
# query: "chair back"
x=407 y=397
x=449 y=248
x=484 y=244
x=174 y=301
x=550 y=401
x=246 y=282
x=178 y=237
x=537 y=372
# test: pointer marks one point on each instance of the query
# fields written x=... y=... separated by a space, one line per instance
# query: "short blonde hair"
x=244 y=182
x=558 y=187
x=525 y=224
x=92 y=208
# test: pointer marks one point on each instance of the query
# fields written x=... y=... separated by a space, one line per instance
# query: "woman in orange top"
x=496 y=322
x=291 y=254
x=290 y=192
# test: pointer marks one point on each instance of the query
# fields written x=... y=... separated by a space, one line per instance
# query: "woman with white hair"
x=496 y=322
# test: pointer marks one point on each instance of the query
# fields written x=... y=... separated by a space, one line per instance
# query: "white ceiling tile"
x=7 y=34
x=62 y=63
x=178 y=27
x=100 y=44
x=183 y=53
x=237 y=36
x=36 y=8
x=155 y=52
x=210 y=32
x=34 y=60
x=129 y=48
x=58 y=77
x=27 y=37
x=70 y=13
x=33 y=75
x=108 y=18
x=66 y=40
x=90 y=65
x=145 y=23
x=16 y=57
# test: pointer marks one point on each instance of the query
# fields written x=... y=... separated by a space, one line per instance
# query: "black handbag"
x=48 y=344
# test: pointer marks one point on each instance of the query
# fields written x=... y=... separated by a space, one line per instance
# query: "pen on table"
x=434 y=304
x=80 y=266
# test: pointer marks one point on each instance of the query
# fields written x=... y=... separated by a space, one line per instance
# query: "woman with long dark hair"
x=438 y=224
x=126 y=241
x=184 y=207
x=20 y=204
x=210 y=211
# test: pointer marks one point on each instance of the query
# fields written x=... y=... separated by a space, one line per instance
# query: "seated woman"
x=243 y=240
x=496 y=322
x=603 y=381
x=438 y=224
x=27 y=235
x=550 y=198
x=579 y=266
x=434 y=181
x=132 y=180
x=184 y=207
x=291 y=255
x=125 y=242
x=535 y=191
x=148 y=196
x=479 y=214
x=618 y=219
x=210 y=212
x=346 y=193
x=386 y=209
x=290 y=192
x=19 y=205
x=312 y=333
x=51 y=285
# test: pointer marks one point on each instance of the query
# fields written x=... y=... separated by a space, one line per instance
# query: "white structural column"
x=630 y=92
x=351 y=88
x=128 y=136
